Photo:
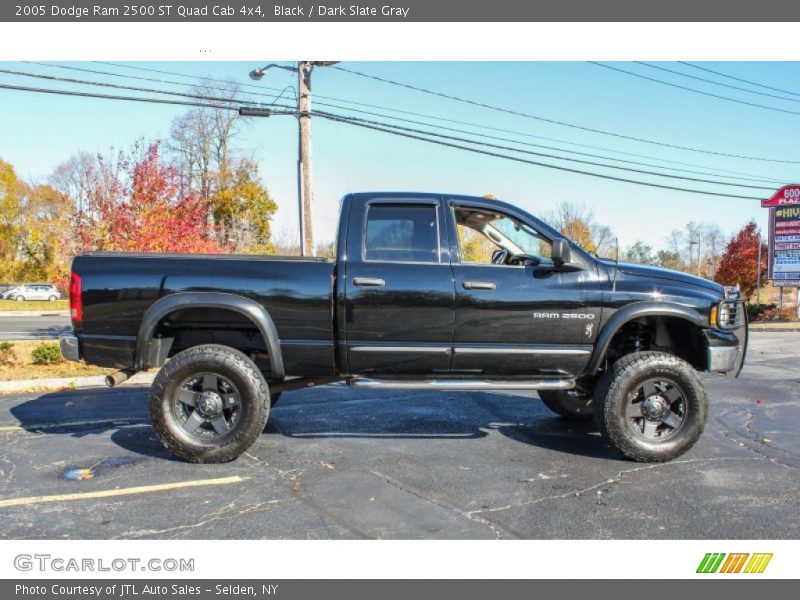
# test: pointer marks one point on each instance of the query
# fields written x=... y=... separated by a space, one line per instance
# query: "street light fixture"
x=257 y=74
x=691 y=256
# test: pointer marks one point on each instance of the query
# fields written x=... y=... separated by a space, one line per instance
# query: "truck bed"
x=118 y=289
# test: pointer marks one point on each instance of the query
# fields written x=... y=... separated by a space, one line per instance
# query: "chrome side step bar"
x=463 y=384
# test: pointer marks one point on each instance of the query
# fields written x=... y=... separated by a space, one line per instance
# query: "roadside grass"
x=43 y=305
x=767 y=325
x=17 y=362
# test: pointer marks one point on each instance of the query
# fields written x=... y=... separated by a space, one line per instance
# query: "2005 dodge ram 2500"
x=410 y=303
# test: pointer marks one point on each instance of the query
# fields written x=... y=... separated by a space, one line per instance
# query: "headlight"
x=729 y=313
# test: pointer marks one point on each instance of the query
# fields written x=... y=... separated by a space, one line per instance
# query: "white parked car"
x=33 y=291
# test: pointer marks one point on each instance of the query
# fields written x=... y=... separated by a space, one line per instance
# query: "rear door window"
x=402 y=233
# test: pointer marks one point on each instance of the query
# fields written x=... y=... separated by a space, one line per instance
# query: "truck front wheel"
x=209 y=404
x=570 y=404
x=651 y=406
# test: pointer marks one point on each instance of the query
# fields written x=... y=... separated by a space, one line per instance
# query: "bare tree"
x=202 y=138
x=697 y=248
x=578 y=221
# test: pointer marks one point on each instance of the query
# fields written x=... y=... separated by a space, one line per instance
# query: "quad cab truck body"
x=427 y=291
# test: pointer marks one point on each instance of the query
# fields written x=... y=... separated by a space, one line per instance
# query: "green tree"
x=10 y=191
x=668 y=260
x=45 y=237
x=640 y=252
x=242 y=209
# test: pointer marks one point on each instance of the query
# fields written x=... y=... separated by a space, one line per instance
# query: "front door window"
x=487 y=237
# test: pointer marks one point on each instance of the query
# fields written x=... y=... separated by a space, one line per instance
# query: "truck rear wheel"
x=651 y=406
x=209 y=404
x=570 y=404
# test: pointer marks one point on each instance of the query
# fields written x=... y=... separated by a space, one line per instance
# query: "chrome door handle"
x=368 y=282
x=479 y=285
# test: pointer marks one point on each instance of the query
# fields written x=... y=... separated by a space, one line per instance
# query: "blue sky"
x=38 y=131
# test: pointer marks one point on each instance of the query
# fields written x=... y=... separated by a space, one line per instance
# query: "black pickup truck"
x=427 y=292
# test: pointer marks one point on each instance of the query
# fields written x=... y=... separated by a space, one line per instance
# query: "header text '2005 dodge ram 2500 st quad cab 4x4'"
x=405 y=306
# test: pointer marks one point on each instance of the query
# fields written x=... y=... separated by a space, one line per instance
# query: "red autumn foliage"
x=151 y=214
x=739 y=261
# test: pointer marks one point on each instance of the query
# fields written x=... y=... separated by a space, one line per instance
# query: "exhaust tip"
x=116 y=378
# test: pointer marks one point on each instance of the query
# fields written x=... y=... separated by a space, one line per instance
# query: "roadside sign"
x=784 y=236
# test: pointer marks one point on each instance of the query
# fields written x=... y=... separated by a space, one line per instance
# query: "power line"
x=197 y=80
x=554 y=148
x=131 y=98
x=530 y=162
x=174 y=74
x=737 y=175
x=761 y=85
x=359 y=123
x=557 y=122
x=127 y=87
x=688 y=89
x=733 y=87
x=233 y=100
x=544 y=155
x=751 y=176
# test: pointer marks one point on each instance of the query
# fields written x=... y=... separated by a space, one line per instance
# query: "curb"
x=58 y=383
x=773 y=329
x=34 y=313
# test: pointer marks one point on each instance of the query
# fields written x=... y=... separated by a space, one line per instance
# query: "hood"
x=639 y=270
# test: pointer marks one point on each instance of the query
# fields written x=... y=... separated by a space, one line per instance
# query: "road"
x=32 y=328
x=340 y=463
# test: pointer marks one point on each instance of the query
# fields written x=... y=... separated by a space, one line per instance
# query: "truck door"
x=399 y=294
x=516 y=314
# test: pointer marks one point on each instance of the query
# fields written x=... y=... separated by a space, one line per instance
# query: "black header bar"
x=400 y=10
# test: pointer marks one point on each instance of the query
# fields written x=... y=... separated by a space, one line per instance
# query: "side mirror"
x=561 y=253
x=562 y=256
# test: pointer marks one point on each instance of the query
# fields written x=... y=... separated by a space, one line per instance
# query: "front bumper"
x=70 y=349
x=726 y=350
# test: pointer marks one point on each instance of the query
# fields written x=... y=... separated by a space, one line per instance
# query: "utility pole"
x=305 y=193
x=304 y=185
x=758 y=271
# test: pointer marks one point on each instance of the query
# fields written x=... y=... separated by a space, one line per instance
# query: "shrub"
x=756 y=312
x=7 y=355
x=769 y=314
x=46 y=354
x=787 y=313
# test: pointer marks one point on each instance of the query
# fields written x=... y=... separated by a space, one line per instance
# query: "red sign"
x=788 y=194
x=784 y=236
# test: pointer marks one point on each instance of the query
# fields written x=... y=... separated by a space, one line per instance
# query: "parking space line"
x=142 y=489
x=71 y=424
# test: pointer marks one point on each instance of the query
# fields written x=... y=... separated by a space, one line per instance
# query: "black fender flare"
x=245 y=306
x=634 y=311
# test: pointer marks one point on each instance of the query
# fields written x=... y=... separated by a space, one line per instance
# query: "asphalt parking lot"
x=340 y=463
x=14 y=327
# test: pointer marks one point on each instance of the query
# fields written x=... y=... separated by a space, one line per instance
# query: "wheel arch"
x=633 y=312
x=148 y=353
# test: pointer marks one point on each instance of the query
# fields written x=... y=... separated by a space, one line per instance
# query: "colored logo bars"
x=734 y=563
